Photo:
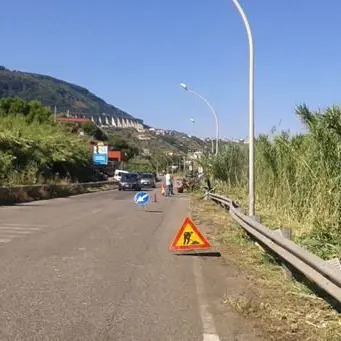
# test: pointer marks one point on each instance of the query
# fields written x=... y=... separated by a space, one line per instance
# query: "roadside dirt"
x=256 y=289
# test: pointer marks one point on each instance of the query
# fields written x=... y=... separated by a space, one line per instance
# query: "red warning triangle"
x=189 y=238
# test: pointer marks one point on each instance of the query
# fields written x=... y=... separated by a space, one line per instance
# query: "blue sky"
x=134 y=53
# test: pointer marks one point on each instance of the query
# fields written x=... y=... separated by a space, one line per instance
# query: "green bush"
x=91 y=129
x=117 y=142
x=298 y=178
x=34 y=149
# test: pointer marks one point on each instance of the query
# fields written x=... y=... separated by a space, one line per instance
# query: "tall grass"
x=298 y=178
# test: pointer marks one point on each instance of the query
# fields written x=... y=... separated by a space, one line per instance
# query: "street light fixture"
x=186 y=88
x=251 y=110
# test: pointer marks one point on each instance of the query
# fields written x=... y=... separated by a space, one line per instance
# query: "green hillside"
x=53 y=92
x=176 y=142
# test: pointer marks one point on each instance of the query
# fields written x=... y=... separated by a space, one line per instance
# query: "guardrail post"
x=335 y=265
x=206 y=197
x=256 y=218
x=286 y=232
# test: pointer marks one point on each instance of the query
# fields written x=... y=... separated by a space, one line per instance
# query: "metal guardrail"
x=13 y=193
x=321 y=272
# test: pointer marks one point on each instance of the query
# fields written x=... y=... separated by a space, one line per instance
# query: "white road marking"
x=19 y=228
x=210 y=333
x=6 y=236
x=16 y=232
x=9 y=231
x=23 y=225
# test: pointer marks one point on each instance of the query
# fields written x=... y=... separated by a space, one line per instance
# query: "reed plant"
x=298 y=178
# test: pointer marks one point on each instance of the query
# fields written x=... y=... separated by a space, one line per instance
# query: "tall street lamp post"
x=251 y=110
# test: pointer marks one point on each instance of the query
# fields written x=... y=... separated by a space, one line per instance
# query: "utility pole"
x=55 y=113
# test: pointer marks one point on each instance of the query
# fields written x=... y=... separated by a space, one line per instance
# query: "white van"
x=118 y=173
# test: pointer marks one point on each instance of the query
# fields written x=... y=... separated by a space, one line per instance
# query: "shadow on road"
x=200 y=254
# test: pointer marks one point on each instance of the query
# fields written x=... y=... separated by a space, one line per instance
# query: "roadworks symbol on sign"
x=189 y=238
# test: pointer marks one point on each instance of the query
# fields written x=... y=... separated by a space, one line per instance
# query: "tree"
x=120 y=143
x=33 y=110
x=37 y=112
x=91 y=129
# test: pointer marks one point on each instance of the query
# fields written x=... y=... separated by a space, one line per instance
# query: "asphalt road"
x=96 y=267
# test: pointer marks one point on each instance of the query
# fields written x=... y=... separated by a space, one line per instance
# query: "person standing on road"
x=168 y=181
x=171 y=185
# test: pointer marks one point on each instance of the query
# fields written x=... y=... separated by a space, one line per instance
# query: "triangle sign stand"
x=189 y=238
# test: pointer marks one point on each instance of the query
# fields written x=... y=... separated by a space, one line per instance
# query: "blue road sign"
x=100 y=155
x=142 y=198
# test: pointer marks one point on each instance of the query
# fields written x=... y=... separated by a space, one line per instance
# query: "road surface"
x=96 y=267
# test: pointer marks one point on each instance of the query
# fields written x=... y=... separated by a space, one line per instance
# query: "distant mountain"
x=54 y=92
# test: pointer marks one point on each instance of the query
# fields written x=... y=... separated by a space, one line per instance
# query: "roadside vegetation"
x=285 y=310
x=298 y=179
x=34 y=149
x=156 y=162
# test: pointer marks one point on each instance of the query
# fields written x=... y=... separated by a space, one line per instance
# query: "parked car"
x=129 y=181
x=118 y=174
x=147 y=180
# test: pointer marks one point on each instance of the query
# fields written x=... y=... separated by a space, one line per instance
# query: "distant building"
x=143 y=137
x=72 y=120
x=196 y=155
x=113 y=154
x=108 y=120
x=160 y=132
